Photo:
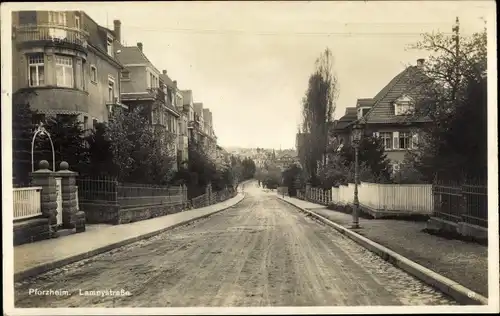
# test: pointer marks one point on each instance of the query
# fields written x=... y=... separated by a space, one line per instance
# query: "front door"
x=59 y=202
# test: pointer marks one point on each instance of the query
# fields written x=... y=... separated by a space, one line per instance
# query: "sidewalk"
x=38 y=257
x=462 y=262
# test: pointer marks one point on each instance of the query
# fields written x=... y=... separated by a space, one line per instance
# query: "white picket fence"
x=408 y=198
x=27 y=202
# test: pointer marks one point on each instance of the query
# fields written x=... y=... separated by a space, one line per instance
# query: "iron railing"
x=457 y=202
x=50 y=32
x=107 y=190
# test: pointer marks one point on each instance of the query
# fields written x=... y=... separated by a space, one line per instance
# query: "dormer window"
x=403 y=106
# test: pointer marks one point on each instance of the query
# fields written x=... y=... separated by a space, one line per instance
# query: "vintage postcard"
x=230 y=157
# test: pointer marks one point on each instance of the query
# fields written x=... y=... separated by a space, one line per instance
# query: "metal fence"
x=107 y=190
x=212 y=198
x=457 y=202
x=27 y=202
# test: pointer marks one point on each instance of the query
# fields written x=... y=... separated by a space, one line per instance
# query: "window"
x=404 y=140
x=93 y=74
x=110 y=45
x=362 y=112
x=36 y=70
x=403 y=106
x=58 y=18
x=77 y=22
x=94 y=123
x=82 y=76
x=111 y=90
x=125 y=75
x=386 y=139
x=64 y=71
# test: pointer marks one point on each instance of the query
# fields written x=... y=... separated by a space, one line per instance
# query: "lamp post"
x=357 y=133
x=42 y=131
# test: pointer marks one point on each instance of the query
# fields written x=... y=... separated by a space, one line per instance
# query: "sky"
x=249 y=62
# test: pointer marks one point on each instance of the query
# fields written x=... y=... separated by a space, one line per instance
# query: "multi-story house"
x=389 y=115
x=69 y=61
x=204 y=129
x=142 y=87
x=188 y=110
x=199 y=123
x=209 y=131
x=177 y=117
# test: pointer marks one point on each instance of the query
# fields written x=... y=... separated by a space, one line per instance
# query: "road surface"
x=261 y=252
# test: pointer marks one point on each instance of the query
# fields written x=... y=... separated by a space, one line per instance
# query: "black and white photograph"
x=249 y=157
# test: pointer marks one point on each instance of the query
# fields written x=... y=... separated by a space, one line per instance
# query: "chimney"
x=420 y=62
x=117 y=29
x=164 y=72
x=175 y=83
x=140 y=46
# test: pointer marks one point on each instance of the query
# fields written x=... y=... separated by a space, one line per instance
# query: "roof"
x=98 y=36
x=167 y=81
x=405 y=82
x=365 y=102
x=132 y=55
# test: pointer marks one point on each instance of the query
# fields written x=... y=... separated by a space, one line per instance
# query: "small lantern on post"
x=357 y=135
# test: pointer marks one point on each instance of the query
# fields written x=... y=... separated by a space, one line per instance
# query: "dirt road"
x=261 y=252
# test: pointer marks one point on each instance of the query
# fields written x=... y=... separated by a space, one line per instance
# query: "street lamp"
x=42 y=131
x=357 y=134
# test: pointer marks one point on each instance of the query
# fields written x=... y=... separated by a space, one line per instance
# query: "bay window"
x=64 y=71
x=36 y=70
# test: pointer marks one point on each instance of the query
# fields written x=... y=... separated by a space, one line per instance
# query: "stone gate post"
x=44 y=177
x=72 y=217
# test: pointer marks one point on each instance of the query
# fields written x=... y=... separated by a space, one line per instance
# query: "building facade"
x=145 y=87
x=68 y=60
x=389 y=115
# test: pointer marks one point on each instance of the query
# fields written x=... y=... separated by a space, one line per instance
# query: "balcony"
x=53 y=34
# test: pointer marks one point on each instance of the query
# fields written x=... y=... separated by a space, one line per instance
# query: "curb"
x=62 y=262
x=455 y=290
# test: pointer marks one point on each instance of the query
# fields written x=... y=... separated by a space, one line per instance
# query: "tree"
x=291 y=177
x=318 y=107
x=248 y=168
x=67 y=134
x=140 y=153
x=22 y=133
x=454 y=144
x=371 y=154
x=203 y=170
x=100 y=154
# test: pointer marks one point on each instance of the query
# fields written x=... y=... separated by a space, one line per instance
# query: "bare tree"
x=318 y=108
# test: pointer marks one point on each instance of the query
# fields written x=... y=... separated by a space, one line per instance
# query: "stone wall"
x=97 y=213
x=33 y=229
x=129 y=215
